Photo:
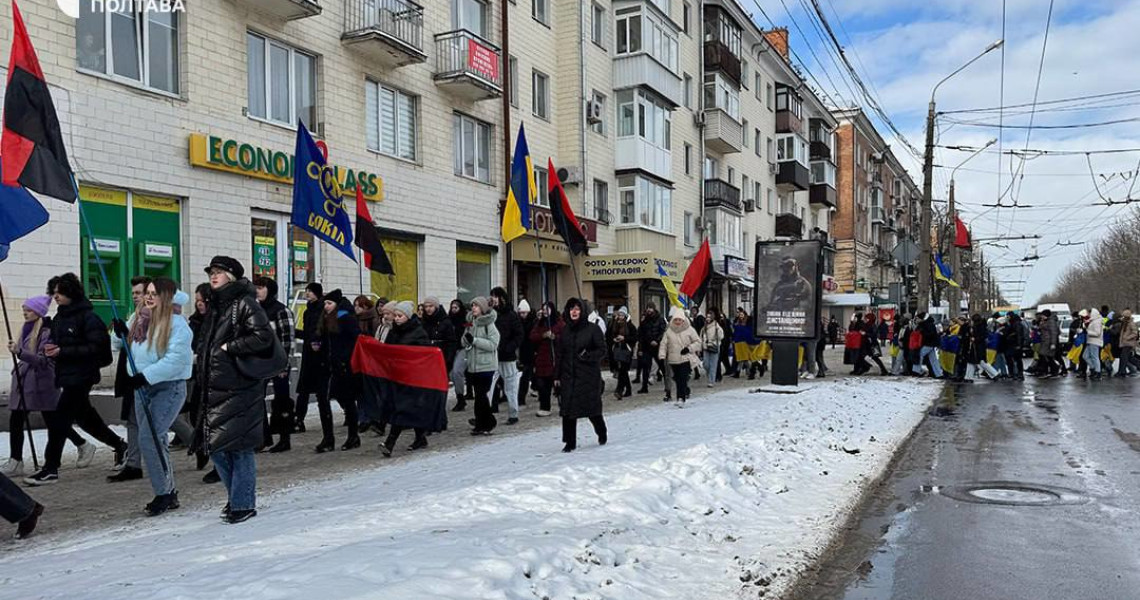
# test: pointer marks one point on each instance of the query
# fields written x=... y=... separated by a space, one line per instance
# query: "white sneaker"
x=808 y=376
x=86 y=455
x=543 y=413
x=709 y=384
x=13 y=468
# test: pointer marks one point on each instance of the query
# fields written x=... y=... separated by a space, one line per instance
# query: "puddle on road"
x=876 y=575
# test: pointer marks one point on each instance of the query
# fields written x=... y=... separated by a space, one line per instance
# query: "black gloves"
x=685 y=351
x=120 y=327
x=138 y=381
x=470 y=339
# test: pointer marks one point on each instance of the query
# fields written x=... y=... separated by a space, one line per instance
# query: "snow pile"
x=730 y=496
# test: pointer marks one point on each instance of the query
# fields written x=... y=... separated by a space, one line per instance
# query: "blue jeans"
x=163 y=401
x=238 y=471
x=1092 y=357
x=711 y=360
x=930 y=351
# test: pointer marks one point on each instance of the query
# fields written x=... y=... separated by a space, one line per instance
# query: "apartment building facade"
x=878 y=208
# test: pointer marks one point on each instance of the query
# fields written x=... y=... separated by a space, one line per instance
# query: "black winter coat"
x=82 y=339
x=979 y=333
x=442 y=334
x=411 y=333
x=527 y=349
x=580 y=351
x=314 y=374
x=649 y=333
x=234 y=412
x=929 y=333
x=510 y=333
x=337 y=346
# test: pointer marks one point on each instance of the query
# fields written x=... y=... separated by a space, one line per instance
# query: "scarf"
x=139 y=326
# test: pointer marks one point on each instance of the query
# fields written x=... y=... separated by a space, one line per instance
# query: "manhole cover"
x=1012 y=493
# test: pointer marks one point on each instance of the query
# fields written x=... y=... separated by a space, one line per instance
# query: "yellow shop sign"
x=232 y=156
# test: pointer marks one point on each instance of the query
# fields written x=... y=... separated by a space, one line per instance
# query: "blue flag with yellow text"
x=523 y=191
x=318 y=203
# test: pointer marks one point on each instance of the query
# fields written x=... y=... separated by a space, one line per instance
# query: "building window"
x=759 y=88
x=541 y=181
x=756 y=142
x=540 y=10
x=688 y=91
x=282 y=82
x=472 y=147
x=771 y=202
x=598 y=26
x=471 y=15
x=744 y=132
x=637 y=32
x=645 y=202
x=720 y=93
x=745 y=189
x=602 y=201
x=513 y=79
x=724 y=229
x=472 y=271
x=644 y=114
x=731 y=175
x=392 y=121
x=540 y=90
x=744 y=244
x=690 y=229
x=757 y=193
x=771 y=155
x=131 y=44
x=744 y=74
x=688 y=158
x=791 y=147
x=785 y=205
x=712 y=167
x=686 y=16
x=770 y=95
x=599 y=126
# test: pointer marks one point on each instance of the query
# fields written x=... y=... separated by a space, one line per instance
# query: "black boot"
x=327 y=445
x=460 y=406
x=351 y=443
x=419 y=443
x=127 y=474
x=283 y=445
x=212 y=477
x=162 y=503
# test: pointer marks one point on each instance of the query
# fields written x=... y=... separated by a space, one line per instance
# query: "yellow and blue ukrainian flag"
x=670 y=289
x=523 y=191
x=942 y=271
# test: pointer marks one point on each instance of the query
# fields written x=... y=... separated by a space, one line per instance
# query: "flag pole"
x=19 y=381
x=115 y=315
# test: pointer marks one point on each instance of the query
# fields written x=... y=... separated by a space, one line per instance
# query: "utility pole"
x=924 y=258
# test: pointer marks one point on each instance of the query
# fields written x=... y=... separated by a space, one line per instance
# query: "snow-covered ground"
x=727 y=497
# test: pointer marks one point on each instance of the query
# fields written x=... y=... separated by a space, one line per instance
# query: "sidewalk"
x=735 y=493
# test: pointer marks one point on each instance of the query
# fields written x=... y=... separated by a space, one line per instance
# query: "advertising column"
x=787 y=300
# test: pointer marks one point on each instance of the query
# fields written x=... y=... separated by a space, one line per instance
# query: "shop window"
x=403 y=284
x=131 y=44
x=472 y=272
x=281 y=81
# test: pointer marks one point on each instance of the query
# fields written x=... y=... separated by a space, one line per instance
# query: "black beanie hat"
x=315 y=288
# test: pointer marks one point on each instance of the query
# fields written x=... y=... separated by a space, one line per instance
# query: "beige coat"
x=712 y=336
x=674 y=341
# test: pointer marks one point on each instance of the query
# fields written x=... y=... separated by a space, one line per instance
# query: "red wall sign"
x=482 y=60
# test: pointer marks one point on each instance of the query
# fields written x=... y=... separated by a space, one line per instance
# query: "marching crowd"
x=1101 y=343
x=201 y=369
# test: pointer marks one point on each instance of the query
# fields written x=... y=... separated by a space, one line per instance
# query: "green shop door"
x=155 y=252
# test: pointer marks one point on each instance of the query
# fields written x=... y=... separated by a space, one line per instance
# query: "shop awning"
x=852 y=299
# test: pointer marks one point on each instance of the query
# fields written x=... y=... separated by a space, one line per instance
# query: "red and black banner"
x=961 y=234
x=32 y=144
x=375 y=258
x=698 y=276
x=407 y=383
x=565 y=223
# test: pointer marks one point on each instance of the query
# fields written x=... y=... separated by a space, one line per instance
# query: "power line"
x=1036 y=153
x=1031 y=126
x=1043 y=102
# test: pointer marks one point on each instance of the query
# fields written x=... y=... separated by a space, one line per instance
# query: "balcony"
x=820 y=151
x=722 y=193
x=823 y=194
x=642 y=70
x=792 y=176
x=468 y=66
x=789 y=110
x=823 y=183
x=788 y=122
x=723 y=133
x=789 y=225
x=286 y=10
x=388 y=32
x=820 y=139
x=638 y=154
x=878 y=215
x=640 y=239
x=719 y=58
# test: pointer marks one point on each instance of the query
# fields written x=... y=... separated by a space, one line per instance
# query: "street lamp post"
x=953 y=293
x=924 y=262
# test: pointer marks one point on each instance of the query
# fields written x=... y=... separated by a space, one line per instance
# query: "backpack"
x=105 y=357
x=915 y=340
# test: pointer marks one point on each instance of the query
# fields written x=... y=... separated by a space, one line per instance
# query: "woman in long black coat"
x=409 y=411
x=338 y=330
x=233 y=404
x=314 y=374
x=581 y=347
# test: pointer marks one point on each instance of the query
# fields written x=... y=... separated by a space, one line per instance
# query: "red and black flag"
x=366 y=238
x=408 y=384
x=564 y=220
x=961 y=234
x=32 y=144
x=698 y=276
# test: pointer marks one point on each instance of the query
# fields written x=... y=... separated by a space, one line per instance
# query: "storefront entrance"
x=135 y=234
x=283 y=252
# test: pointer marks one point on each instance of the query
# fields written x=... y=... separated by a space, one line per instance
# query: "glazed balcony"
x=723 y=133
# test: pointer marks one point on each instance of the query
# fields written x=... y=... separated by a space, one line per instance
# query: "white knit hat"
x=524 y=306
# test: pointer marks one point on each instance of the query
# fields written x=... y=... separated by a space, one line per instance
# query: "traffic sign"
x=906 y=252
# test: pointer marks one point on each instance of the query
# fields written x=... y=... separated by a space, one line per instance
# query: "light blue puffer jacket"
x=176 y=364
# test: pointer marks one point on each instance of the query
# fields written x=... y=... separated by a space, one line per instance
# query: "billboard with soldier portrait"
x=787 y=293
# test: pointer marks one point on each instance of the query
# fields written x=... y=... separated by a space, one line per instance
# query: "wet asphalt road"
x=1006 y=491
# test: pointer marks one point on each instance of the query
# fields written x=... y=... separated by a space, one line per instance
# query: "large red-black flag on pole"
x=565 y=222
x=32 y=144
x=698 y=276
x=366 y=238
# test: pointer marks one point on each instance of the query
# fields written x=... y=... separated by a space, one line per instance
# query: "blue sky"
x=901 y=48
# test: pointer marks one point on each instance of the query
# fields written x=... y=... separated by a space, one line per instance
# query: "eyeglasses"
x=150 y=294
x=216 y=271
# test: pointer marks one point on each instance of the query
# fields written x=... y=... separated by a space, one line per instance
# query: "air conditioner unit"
x=773 y=168
x=593 y=112
x=699 y=118
x=749 y=205
x=570 y=175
